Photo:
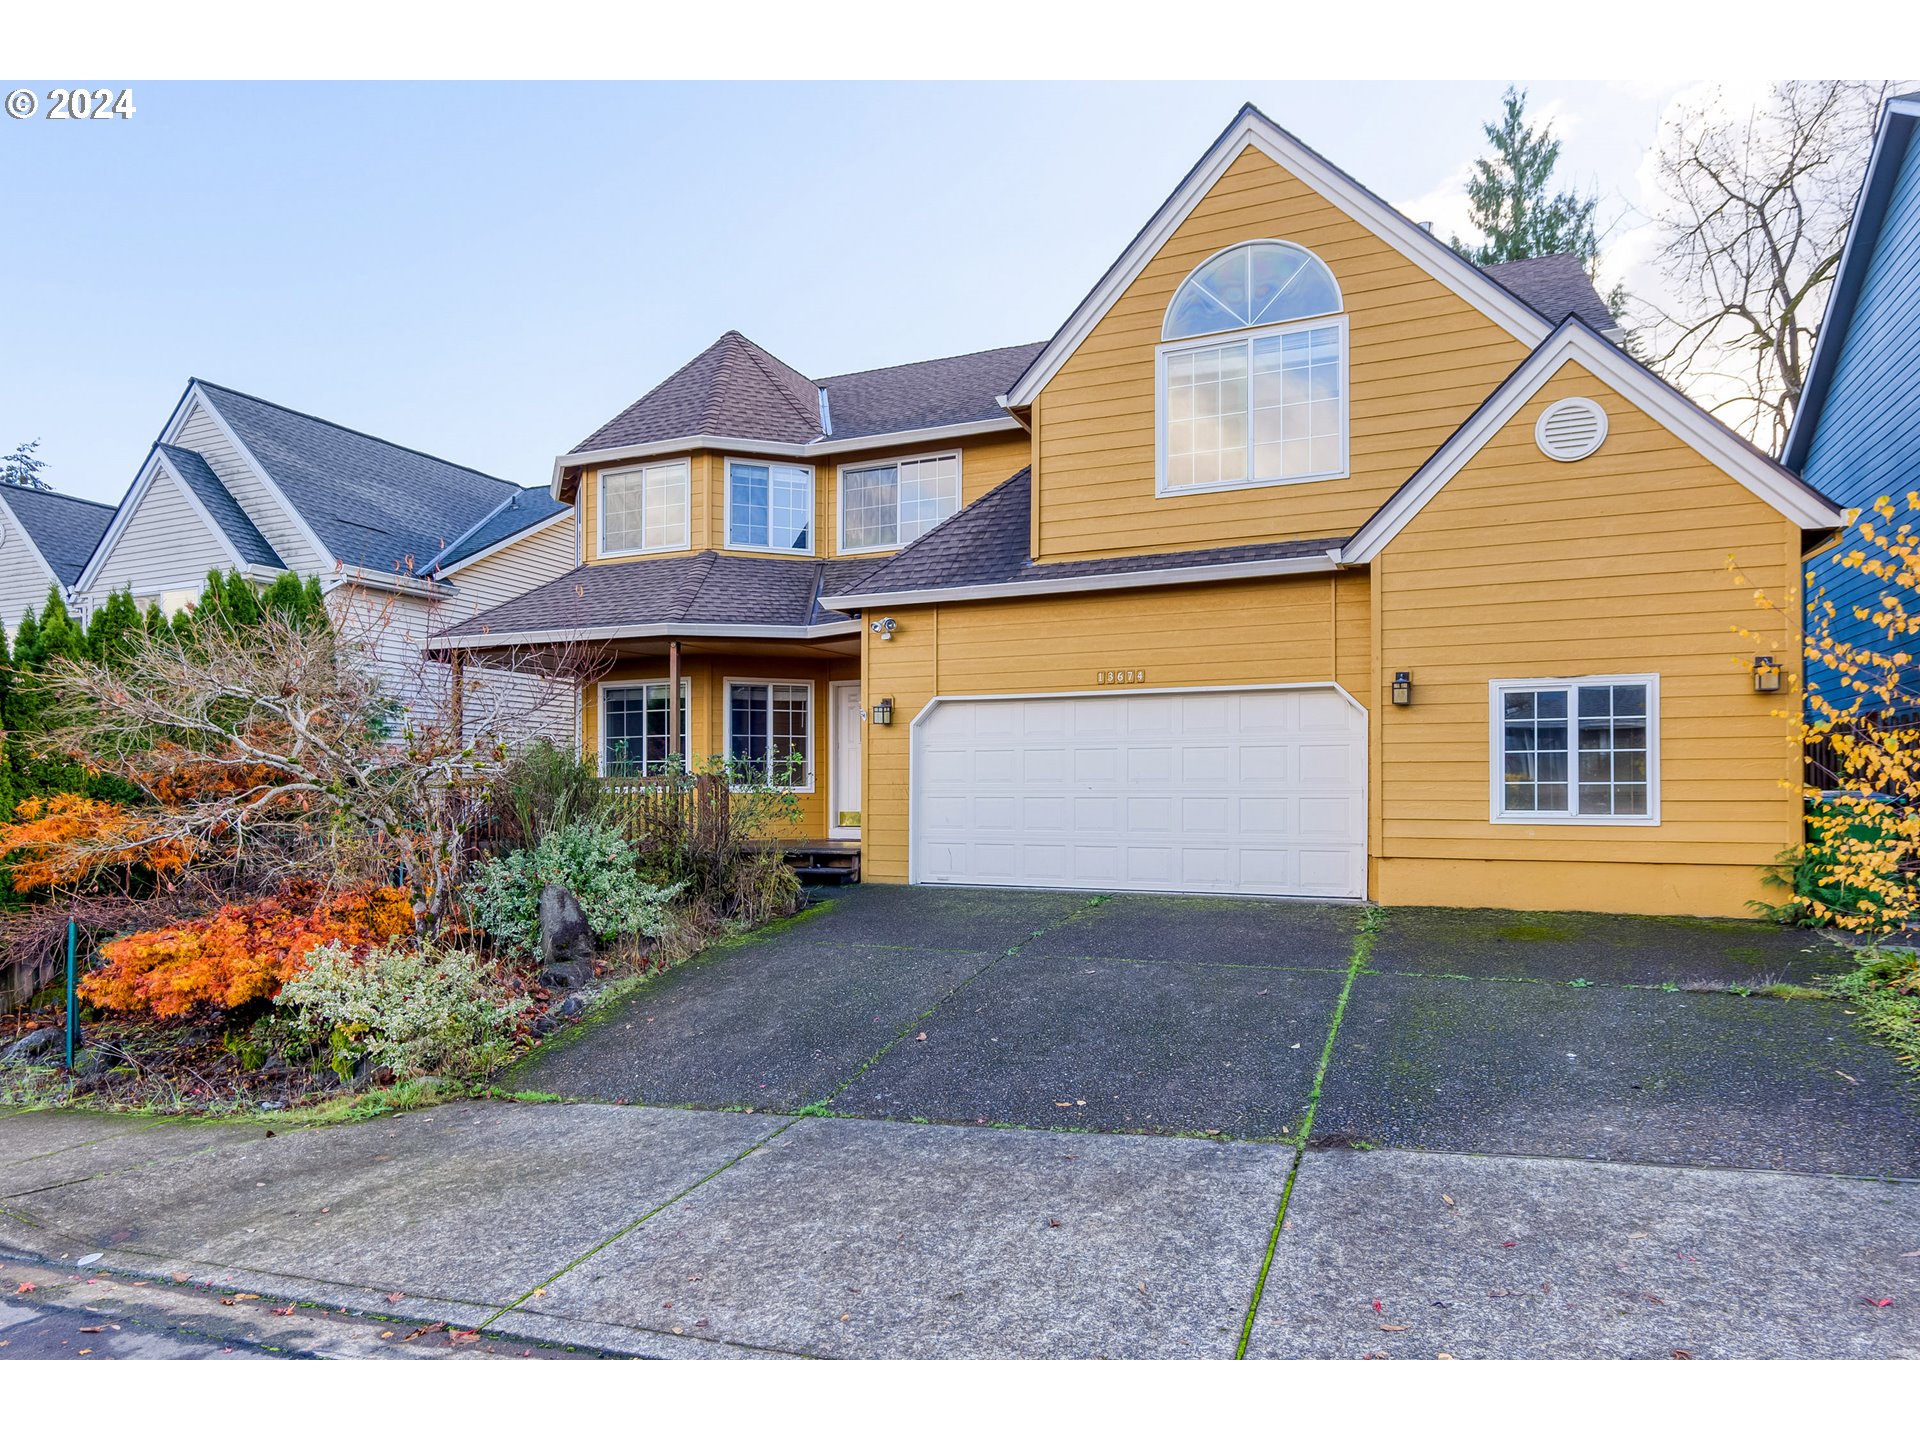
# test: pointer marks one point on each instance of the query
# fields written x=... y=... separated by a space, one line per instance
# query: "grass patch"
x=1883 y=996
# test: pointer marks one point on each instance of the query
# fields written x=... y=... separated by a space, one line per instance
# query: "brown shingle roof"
x=987 y=544
x=733 y=387
x=707 y=588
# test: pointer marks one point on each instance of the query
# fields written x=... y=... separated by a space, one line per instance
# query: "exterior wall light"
x=885 y=628
x=1766 y=674
x=883 y=711
x=1403 y=687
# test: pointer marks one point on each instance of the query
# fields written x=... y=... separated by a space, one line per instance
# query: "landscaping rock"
x=567 y=946
x=36 y=1047
x=570 y=1007
x=91 y=1062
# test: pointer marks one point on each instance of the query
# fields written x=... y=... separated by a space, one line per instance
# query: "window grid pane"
x=1296 y=399
x=769 y=506
x=621 y=499
x=1207 y=416
x=1534 y=747
x=769 y=731
x=929 y=493
x=870 y=507
x=1613 y=750
x=666 y=507
x=636 y=737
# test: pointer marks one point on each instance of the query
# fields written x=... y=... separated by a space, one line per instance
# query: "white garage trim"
x=917 y=771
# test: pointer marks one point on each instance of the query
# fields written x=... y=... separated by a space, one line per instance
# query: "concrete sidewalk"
x=687 y=1233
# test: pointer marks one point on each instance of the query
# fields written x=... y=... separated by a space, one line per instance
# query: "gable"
x=1421 y=356
x=1866 y=439
x=164 y=542
x=198 y=429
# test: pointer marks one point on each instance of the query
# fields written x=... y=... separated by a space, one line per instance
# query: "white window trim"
x=813 y=506
x=1497 y=751
x=1227 y=337
x=686 y=520
x=600 y=699
x=840 y=497
x=813 y=729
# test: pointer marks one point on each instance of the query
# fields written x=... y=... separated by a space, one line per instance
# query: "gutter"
x=1322 y=564
x=485 y=640
x=780 y=449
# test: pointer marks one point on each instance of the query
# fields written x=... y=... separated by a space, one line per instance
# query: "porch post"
x=456 y=662
x=674 y=737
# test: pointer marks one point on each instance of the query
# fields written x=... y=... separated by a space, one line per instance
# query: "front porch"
x=786 y=713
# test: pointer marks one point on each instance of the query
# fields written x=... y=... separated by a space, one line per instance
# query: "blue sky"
x=487 y=272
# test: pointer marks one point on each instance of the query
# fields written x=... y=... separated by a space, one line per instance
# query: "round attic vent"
x=1571 y=429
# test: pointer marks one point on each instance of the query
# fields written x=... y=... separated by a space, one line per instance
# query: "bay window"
x=644 y=507
x=769 y=506
x=634 y=728
x=770 y=732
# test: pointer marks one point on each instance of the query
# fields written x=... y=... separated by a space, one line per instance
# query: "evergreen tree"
x=42 y=640
x=155 y=620
x=111 y=630
x=1511 y=205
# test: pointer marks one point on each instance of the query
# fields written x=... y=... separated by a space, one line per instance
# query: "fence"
x=691 y=812
x=1824 y=766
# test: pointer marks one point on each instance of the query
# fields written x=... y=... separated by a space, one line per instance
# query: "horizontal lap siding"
x=1867 y=444
x=985 y=461
x=164 y=545
x=1421 y=359
x=1523 y=566
x=1306 y=629
x=201 y=432
x=517 y=706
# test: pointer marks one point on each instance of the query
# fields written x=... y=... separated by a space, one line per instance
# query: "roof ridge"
x=933 y=360
x=55 y=495
x=702 y=571
x=347 y=429
x=754 y=353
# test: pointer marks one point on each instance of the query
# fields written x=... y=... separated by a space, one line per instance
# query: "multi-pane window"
x=769 y=506
x=644 y=508
x=633 y=734
x=1576 y=750
x=884 y=506
x=1264 y=408
x=769 y=732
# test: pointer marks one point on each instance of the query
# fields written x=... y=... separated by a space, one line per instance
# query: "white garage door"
x=1247 y=792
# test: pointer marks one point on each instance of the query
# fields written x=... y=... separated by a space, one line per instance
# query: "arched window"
x=1263 y=406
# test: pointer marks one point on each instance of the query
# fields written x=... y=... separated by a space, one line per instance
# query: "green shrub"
x=411 y=1008
x=543 y=787
x=1885 y=994
x=594 y=861
x=1809 y=874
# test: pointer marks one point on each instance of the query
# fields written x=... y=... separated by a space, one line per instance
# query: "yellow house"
x=1304 y=559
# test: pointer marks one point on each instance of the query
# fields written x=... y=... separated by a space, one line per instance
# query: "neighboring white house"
x=45 y=539
x=404 y=543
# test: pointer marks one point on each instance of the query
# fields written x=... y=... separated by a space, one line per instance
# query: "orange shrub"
x=240 y=953
x=62 y=840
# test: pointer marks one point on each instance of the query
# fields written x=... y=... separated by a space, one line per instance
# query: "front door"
x=847 y=723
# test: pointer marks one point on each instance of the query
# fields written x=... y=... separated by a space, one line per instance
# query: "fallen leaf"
x=91 y=1329
x=1846 y=1077
x=245 y=1295
x=1500 y=1294
x=1053 y=1224
x=1443 y=1355
x=1683 y=1354
x=180 y=1277
x=463 y=1337
x=423 y=1330
x=1377 y=1307
x=846 y=1317
x=393 y=1295
x=921 y=1036
x=1396 y=1327
x=1880 y=1304
x=26 y=1287
x=1448 y=1199
x=1508 y=1244
x=283 y=1309
x=87 y=1351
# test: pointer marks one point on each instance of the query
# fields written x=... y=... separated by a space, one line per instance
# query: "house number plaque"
x=1120 y=677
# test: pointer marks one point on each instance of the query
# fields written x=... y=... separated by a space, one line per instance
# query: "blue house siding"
x=1865 y=442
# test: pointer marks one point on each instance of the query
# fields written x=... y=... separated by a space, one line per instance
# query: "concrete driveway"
x=1155 y=1127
